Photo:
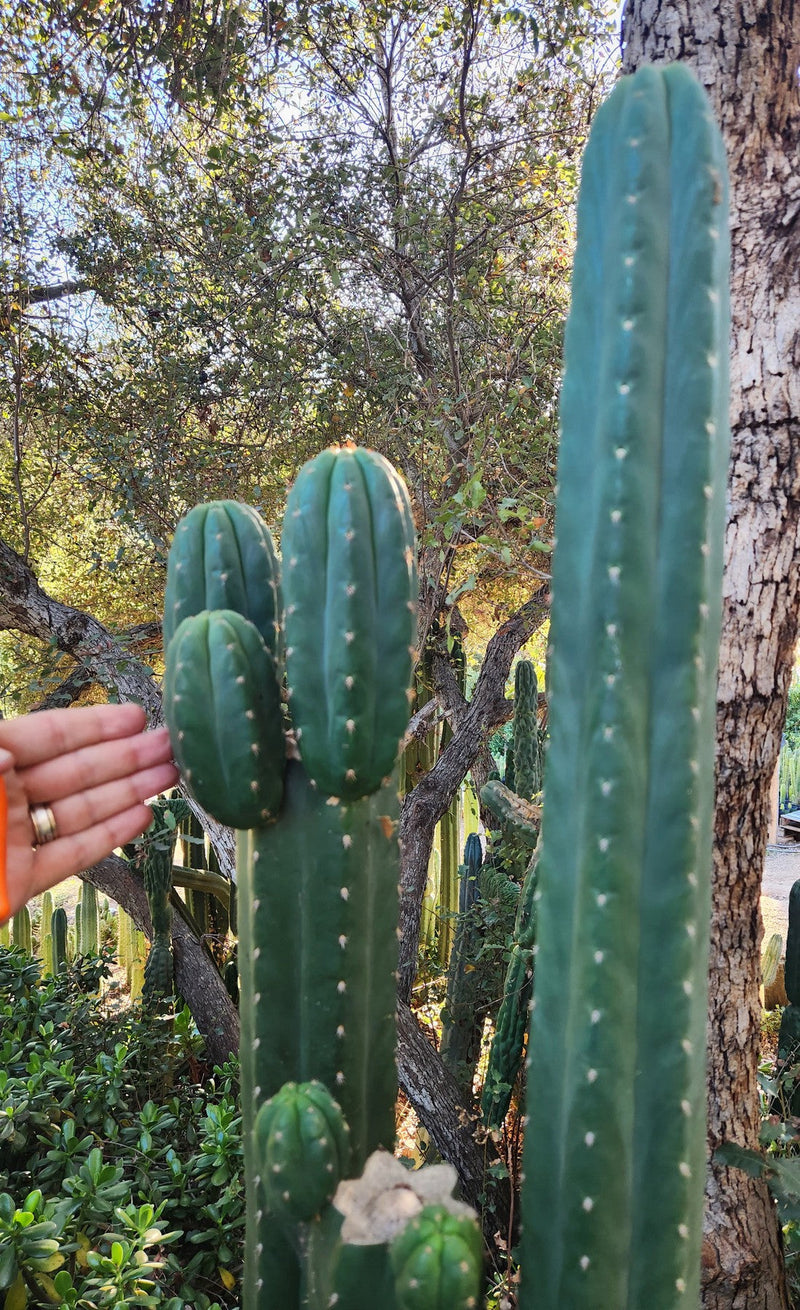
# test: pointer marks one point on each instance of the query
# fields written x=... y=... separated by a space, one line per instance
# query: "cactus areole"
x=615 y=1147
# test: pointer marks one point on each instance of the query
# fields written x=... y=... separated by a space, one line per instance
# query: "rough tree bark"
x=746 y=53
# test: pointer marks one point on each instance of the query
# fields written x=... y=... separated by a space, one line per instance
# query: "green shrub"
x=120 y=1176
x=791 y=727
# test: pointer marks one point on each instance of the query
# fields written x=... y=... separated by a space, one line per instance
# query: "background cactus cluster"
x=618 y=894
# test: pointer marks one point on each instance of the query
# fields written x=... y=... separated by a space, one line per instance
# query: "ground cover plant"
x=120 y=1152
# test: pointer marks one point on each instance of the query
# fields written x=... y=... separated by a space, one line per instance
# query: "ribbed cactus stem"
x=89 y=942
x=615 y=1148
x=461 y=1027
x=46 y=933
x=21 y=932
x=505 y=1054
x=59 y=931
x=125 y=932
x=323 y=940
x=527 y=747
x=449 y=884
x=158 y=848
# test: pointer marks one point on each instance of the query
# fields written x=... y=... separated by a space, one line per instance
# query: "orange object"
x=5 y=908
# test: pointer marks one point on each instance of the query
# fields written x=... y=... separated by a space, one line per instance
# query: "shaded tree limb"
x=82 y=676
x=424 y=806
x=26 y=607
x=435 y=1096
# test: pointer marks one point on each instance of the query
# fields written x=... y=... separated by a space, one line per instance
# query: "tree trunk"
x=436 y=1098
x=196 y=975
x=746 y=54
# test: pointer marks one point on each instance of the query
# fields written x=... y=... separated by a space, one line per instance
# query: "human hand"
x=91 y=768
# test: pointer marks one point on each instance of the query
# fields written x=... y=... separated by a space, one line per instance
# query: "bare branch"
x=13 y=302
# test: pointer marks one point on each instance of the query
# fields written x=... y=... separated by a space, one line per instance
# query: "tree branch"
x=424 y=806
x=434 y=1094
x=26 y=607
x=16 y=301
x=81 y=677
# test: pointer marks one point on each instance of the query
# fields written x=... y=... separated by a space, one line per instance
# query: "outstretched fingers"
x=86 y=809
x=35 y=738
x=72 y=854
x=92 y=766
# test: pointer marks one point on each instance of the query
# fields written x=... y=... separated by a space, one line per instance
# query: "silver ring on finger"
x=44 y=824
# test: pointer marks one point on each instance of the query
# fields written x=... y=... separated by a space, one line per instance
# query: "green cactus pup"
x=303 y=1150
x=615 y=1152
x=437 y=1261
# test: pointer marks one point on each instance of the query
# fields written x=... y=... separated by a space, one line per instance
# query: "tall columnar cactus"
x=461 y=1025
x=615 y=1144
x=157 y=848
x=125 y=941
x=526 y=737
x=87 y=920
x=21 y=930
x=449 y=883
x=508 y=1042
x=59 y=931
x=317 y=856
x=46 y=933
x=447 y=834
